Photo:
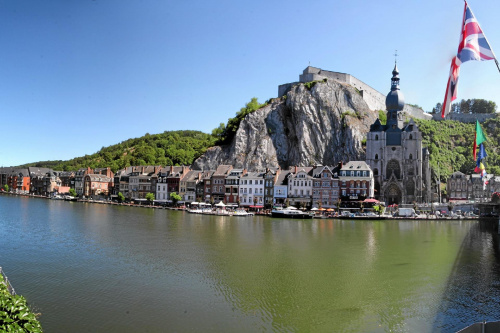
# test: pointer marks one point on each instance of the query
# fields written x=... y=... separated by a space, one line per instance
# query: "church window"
x=375 y=172
x=410 y=188
x=411 y=156
x=411 y=137
x=393 y=167
x=376 y=156
x=376 y=137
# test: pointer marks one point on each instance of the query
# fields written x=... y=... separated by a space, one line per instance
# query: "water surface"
x=99 y=268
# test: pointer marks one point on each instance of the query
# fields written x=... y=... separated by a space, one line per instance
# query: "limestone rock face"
x=321 y=125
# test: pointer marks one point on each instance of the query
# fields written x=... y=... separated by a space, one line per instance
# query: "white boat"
x=56 y=197
x=242 y=212
x=290 y=213
x=69 y=198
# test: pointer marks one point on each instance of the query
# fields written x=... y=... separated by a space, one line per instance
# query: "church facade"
x=394 y=152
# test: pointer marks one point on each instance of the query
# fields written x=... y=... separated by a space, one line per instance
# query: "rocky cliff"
x=323 y=124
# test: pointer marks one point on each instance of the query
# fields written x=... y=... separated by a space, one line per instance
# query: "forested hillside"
x=450 y=145
x=168 y=148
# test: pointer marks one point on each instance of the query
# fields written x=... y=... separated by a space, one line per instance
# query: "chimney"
x=244 y=172
x=171 y=169
x=295 y=169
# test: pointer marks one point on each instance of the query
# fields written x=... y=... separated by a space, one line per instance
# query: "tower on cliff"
x=395 y=154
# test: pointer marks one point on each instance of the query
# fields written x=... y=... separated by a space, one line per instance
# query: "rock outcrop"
x=321 y=125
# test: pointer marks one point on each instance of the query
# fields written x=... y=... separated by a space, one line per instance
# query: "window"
x=376 y=137
x=411 y=156
x=376 y=156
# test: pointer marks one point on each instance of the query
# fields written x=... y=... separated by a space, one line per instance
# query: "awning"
x=256 y=206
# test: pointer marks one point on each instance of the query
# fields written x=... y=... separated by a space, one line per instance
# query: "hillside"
x=168 y=148
x=450 y=144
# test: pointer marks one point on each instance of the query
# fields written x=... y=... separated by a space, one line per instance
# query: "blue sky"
x=79 y=75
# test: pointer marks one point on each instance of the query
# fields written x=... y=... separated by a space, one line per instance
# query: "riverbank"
x=419 y=217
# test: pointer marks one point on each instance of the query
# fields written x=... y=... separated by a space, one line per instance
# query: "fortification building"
x=372 y=97
x=395 y=153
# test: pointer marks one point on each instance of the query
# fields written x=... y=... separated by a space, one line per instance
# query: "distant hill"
x=167 y=148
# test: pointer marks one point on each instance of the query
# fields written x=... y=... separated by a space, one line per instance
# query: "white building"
x=300 y=185
x=252 y=189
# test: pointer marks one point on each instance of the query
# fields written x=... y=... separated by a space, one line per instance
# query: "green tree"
x=150 y=197
x=437 y=108
x=72 y=192
x=6 y=188
x=175 y=198
x=121 y=197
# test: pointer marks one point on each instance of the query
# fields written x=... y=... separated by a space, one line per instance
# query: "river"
x=100 y=268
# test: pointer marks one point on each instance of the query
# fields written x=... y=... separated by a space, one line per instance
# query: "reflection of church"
x=395 y=154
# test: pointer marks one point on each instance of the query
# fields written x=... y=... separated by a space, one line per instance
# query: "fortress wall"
x=372 y=97
x=415 y=112
x=465 y=117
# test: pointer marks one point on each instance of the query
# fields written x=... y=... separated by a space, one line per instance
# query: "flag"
x=479 y=167
x=478 y=140
x=451 y=88
x=473 y=45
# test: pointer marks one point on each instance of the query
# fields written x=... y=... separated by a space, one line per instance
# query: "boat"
x=69 y=198
x=56 y=197
x=290 y=213
x=242 y=212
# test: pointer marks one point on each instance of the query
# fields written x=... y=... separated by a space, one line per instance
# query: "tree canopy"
x=167 y=148
x=225 y=133
x=474 y=106
x=450 y=145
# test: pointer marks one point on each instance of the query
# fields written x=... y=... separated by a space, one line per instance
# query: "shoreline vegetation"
x=15 y=313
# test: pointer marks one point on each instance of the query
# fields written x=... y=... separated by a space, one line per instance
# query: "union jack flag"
x=473 y=46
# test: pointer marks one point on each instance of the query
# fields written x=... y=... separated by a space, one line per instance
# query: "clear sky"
x=78 y=75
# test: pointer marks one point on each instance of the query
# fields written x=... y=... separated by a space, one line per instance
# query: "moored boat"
x=290 y=213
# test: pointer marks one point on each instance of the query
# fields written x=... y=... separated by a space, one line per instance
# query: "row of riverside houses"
x=298 y=186
x=46 y=182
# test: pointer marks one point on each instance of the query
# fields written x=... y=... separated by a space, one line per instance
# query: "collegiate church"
x=395 y=154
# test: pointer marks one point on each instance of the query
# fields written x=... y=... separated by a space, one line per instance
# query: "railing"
x=6 y=281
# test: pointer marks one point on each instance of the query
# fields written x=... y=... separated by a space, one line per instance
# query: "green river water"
x=99 y=268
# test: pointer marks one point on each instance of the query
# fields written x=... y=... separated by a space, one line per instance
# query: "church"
x=394 y=152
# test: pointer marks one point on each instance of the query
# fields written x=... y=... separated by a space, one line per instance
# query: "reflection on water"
x=119 y=269
x=473 y=290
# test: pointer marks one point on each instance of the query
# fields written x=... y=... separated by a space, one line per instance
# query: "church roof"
x=395 y=100
x=377 y=126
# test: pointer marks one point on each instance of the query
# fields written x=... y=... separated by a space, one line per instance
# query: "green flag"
x=479 y=139
x=479 y=134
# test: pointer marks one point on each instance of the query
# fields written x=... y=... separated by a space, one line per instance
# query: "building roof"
x=282 y=178
x=355 y=165
x=36 y=171
x=99 y=178
x=191 y=175
x=222 y=170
